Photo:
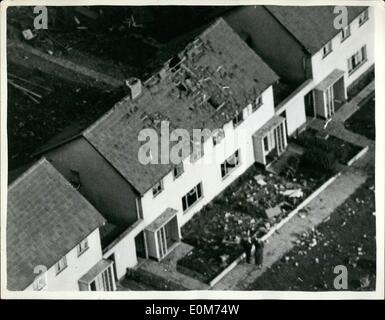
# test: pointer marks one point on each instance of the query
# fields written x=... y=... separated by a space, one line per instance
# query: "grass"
x=341 y=150
x=347 y=238
x=363 y=120
x=32 y=123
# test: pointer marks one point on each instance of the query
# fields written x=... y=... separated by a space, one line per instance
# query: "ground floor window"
x=192 y=196
x=230 y=164
x=357 y=59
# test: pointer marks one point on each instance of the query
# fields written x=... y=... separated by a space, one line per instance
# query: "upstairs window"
x=178 y=170
x=345 y=33
x=327 y=49
x=230 y=164
x=218 y=136
x=238 y=119
x=364 y=16
x=82 y=247
x=61 y=265
x=157 y=188
x=257 y=104
x=357 y=59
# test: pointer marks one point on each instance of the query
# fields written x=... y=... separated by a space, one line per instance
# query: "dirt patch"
x=33 y=120
x=347 y=239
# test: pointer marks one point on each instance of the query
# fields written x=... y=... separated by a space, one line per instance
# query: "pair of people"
x=247 y=244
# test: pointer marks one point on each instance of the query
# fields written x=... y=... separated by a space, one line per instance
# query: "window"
x=364 y=16
x=178 y=170
x=82 y=247
x=218 y=136
x=357 y=59
x=61 y=265
x=345 y=33
x=238 y=119
x=230 y=164
x=257 y=104
x=192 y=197
x=197 y=151
x=327 y=49
x=266 y=143
x=157 y=188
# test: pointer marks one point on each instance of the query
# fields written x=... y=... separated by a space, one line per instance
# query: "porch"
x=100 y=277
x=327 y=97
x=163 y=234
x=270 y=141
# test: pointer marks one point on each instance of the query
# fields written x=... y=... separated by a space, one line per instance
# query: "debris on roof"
x=204 y=86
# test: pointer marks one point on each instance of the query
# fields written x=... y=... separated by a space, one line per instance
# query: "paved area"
x=167 y=269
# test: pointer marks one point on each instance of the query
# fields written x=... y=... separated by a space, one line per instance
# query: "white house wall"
x=67 y=279
x=342 y=51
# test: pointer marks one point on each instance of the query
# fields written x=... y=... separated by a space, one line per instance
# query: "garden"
x=257 y=201
x=254 y=203
x=363 y=120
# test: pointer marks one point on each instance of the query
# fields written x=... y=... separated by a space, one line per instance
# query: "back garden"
x=258 y=200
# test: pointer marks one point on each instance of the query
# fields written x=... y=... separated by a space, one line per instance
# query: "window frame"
x=58 y=267
x=329 y=46
x=180 y=165
x=228 y=171
x=80 y=248
x=156 y=191
x=256 y=104
x=362 y=55
x=239 y=122
x=345 y=35
x=363 y=17
x=196 y=189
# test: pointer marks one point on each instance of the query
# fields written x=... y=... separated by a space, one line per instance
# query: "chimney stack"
x=134 y=86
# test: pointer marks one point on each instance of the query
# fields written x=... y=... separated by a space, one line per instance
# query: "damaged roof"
x=205 y=86
x=312 y=26
x=46 y=218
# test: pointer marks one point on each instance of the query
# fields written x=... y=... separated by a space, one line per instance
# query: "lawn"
x=332 y=147
x=33 y=121
x=347 y=238
x=363 y=120
x=215 y=232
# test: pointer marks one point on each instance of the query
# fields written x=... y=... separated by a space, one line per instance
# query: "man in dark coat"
x=258 y=252
x=246 y=245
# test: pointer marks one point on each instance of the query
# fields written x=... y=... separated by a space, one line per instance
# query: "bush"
x=320 y=158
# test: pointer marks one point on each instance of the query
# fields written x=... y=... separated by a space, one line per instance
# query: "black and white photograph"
x=155 y=150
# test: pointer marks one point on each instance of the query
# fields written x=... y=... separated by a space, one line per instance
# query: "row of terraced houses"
x=87 y=210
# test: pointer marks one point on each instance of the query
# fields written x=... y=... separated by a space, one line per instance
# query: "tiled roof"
x=312 y=26
x=46 y=218
x=217 y=67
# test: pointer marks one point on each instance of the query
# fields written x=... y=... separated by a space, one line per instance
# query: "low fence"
x=358 y=155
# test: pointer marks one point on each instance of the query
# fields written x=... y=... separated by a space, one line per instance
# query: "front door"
x=329 y=100
x=309 y=105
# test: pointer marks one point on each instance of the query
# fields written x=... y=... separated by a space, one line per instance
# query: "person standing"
x=258 y=252
x=246 y=245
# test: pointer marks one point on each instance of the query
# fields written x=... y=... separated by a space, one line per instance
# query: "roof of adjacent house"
x=312 y=26
x=46 y=218
x=212 y=79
